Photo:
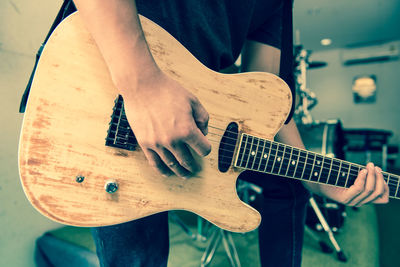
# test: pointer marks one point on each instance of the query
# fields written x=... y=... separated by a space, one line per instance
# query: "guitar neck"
x=271 y=157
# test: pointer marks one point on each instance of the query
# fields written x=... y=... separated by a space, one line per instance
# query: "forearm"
x=289 y=134
x=115 y=26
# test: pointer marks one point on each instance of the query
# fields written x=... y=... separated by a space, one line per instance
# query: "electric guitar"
x=80 y=163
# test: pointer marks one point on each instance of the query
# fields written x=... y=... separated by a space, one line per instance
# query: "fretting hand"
x=369 y=187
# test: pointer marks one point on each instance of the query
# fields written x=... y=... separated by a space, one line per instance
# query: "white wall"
x=23 y=25
x=333 y=83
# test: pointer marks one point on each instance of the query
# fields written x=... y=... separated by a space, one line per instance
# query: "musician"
x=168 y=119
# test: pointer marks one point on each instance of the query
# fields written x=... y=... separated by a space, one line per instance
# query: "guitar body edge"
x=67 y=119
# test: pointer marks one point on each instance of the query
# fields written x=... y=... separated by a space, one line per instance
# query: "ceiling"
x=349 y=23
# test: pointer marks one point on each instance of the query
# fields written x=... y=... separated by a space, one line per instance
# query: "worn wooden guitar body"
x=65 y=163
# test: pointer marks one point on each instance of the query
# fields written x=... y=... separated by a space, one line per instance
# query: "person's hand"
x=168 y=122
x=369 y=187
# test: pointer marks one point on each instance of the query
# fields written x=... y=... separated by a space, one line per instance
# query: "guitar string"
x=334 y=164
x=322 y=172
x=275 y=143
x=338 y=180
x=350 y=170
x=310 y=166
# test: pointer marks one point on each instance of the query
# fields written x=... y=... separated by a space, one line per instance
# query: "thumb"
x=200 y=116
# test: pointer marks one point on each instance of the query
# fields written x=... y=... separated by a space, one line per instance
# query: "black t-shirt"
x=214 y=31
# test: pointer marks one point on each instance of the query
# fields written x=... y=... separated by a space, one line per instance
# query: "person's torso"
x=214 y=31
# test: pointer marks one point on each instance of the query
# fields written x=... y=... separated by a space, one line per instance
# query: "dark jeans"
x=145 y=242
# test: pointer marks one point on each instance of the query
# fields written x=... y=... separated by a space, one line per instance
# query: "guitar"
x=80 y=163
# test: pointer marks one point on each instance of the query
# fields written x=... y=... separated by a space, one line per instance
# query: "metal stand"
x=229 y=246
x=308 y=98
x=247 y=192
x=340 y=254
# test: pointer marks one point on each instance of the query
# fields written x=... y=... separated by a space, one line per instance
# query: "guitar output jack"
x=111 y=186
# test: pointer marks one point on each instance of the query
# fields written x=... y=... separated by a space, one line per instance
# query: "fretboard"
x=271 y=157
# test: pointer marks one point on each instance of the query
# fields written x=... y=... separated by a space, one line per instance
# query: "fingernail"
x=370 y=165
x=364 y=171
x=187 y=167
x=378 y=170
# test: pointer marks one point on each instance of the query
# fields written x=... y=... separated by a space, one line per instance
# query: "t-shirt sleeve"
x=270 y=31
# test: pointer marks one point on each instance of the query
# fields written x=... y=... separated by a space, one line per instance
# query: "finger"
x=156 y=162
x=200 y=116
x=370 y=185
x=199 y=143
x=169 y=159
x=185 y=158
x=379 y=188
x=357 y=188
x=383 y=198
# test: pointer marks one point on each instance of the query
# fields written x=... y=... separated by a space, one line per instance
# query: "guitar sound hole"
x=227 y=147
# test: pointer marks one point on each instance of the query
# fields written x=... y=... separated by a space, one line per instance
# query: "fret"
x=392 y=187
x=278 y=160
x=250 y=152
x=339 y=171
x=397 y=190
x=332 y=178
x=388 y=178
x=290 y=165
x=309 y=166
x=259 y=155
x=242 y=150
x=316 y=168
x=330 y=170
x=283 y=160
x=254 y=153
x=348 y=175
x=325 y=171
x=266 y=156
x=272 y=157
x=286 y=161
x=304 y=166
x=321 y=169
x=294 y=160
x=344 y=174
x=354 y=170
x=347 y=178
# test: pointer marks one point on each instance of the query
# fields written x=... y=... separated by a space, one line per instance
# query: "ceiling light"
x=326 y=42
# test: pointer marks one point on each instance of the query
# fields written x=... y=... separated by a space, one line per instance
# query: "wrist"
x=134 y=73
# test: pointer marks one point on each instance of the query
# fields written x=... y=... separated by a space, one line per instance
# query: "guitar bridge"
x=119 y=133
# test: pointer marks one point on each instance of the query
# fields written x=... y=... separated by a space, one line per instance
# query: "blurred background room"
x=347 y=56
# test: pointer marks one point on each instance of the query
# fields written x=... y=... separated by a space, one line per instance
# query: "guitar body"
x=67 y=119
